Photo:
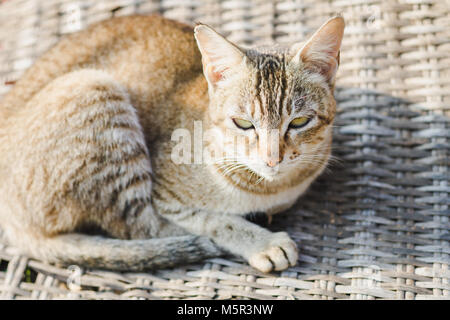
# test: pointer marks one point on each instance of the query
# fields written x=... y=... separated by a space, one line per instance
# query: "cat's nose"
x=273 y=162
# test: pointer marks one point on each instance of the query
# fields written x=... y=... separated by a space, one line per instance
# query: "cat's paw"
x=279 y=253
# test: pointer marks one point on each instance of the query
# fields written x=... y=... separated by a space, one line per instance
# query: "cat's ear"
x=321 y=52
x=219 y=56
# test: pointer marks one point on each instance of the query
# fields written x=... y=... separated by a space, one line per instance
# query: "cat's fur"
x=85 y=143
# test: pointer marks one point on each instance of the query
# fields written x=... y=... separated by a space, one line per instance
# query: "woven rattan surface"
x=376 y=225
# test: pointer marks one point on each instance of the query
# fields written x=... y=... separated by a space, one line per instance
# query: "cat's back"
x=142 y=52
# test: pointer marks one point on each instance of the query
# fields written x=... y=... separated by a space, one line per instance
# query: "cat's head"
x=272 y=108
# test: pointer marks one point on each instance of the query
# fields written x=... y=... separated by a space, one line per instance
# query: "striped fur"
x=85 y=138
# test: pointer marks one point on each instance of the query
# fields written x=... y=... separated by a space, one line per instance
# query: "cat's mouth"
x=269 y=174
x=265 y=173
x=254 y=173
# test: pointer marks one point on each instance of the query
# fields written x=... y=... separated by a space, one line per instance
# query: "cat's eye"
x=299 y=122
x=243 y=124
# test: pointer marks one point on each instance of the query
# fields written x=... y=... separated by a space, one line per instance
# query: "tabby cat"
x=86 y=137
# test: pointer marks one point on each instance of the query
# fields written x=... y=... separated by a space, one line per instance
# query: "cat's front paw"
x=279 y=253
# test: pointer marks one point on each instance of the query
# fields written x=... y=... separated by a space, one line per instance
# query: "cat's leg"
x=264 y=250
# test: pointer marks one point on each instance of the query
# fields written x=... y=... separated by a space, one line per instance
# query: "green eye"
x=243 y=124
x=299 y=122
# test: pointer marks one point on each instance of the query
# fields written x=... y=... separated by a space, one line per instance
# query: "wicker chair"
x=375 y=226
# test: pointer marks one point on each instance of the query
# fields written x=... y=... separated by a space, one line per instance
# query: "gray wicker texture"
x=375 y=226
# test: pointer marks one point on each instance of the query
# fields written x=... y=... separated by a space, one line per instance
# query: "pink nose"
x=272 y=163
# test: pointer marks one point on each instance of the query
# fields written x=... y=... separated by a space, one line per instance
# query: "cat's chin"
x=273 y=177
x=270 y=175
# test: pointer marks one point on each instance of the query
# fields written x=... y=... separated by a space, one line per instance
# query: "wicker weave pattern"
x=376 y=226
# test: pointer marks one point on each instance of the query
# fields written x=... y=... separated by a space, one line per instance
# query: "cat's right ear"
x=219 y=56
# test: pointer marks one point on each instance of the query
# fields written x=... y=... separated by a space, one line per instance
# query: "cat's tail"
x=115 y=254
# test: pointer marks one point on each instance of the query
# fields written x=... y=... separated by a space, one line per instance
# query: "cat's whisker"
x=224 y=166
x=315 y=162
x=253 y=174
x=234 y=168
x=229 y=159
x=331 y=159
x=261 y=178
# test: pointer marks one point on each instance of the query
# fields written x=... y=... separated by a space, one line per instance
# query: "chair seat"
x=374 y=225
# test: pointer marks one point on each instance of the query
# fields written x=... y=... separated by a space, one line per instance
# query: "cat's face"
x=271 y=109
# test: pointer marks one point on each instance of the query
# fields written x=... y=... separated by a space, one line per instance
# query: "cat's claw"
x=279 y=254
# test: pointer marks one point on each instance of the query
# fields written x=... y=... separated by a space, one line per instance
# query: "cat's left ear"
x=321 y=52
x=219 y=56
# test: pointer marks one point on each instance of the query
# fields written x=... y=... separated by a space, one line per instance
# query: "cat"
x=86 y=138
